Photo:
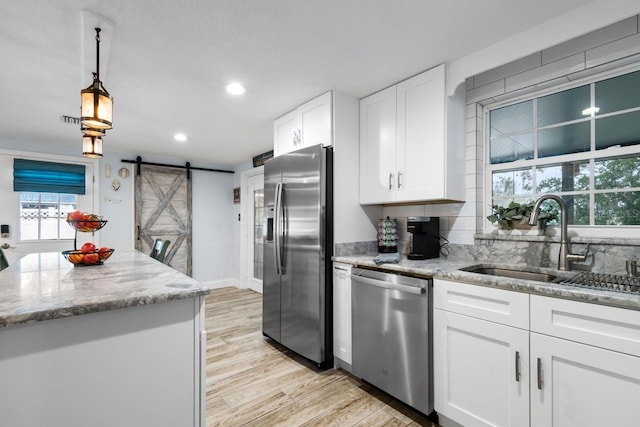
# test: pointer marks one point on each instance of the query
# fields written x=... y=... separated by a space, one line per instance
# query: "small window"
x=43 y=216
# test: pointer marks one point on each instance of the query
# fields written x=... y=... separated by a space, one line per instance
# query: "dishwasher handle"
x=387 y=285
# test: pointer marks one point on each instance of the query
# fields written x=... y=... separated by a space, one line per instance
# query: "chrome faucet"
x=565 y=257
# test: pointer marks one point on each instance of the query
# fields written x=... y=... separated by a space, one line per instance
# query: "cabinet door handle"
x=391 y=181
x=539 y=369
x=517 y=366
x=399 y=182
x=340 y=268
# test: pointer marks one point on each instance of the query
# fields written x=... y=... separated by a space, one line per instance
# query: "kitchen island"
x=114 y=344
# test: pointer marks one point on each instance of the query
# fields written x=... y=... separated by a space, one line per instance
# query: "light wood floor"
x=254 y=382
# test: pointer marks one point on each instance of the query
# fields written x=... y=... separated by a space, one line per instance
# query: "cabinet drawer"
x=496 y=305
x=613 y=328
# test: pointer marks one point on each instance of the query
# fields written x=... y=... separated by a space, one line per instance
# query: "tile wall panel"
x=550 y=71
x=516 y=67
x=486 y=91
x=612 y=51
x=600 y=37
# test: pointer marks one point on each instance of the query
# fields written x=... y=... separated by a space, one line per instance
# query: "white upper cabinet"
x=405 y=155
x=309 y=124
x=285 y=133
x=378 y=154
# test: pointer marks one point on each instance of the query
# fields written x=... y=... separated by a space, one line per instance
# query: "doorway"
x=251 y=224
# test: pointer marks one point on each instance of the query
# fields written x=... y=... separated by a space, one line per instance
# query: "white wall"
x=234 y=223
x=590 y=17
x=213 y=238
x=117 y=206
x=352 y=221
x=552 y=57
x=9 y=209
x=212 y=210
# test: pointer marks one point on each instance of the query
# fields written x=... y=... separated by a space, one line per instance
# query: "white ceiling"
x=166 y=62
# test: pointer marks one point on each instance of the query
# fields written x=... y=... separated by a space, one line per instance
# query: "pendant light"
x=92 y=147
x=87 y=131
x=96 y=108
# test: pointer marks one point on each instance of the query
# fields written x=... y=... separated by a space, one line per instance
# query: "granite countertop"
x=442 y=268
x=44 y=286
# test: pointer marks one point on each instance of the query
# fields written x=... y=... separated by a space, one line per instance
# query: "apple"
x=75 y=216
x=91 y=258
x=103 y=252
x=88 y=247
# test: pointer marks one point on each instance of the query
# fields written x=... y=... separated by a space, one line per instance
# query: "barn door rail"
x=138 y=162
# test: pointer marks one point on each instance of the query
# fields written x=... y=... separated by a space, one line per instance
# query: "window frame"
x=591 y=156
x=88 y=202
x=60 y=220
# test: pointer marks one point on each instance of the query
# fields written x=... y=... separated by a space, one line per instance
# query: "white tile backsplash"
x=596 y=38
x=471 y=138
x=473 y=180
x=446 y=209
x=632 y=60
x=549 y=71
x=612 y=51
x=518 y=66
x=470 y=111
x=487 y=91
x=459 y=237
x=462 y=223
x=403 y=211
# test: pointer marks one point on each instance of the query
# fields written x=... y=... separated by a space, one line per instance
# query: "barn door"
x=163 y=211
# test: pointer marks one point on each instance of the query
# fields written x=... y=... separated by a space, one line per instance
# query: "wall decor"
x=236 y=195
x=261 y=158
x=123 y=172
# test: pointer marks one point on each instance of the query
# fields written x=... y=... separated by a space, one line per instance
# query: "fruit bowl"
x=85 y=222
x=87 y=258
x=87 y=225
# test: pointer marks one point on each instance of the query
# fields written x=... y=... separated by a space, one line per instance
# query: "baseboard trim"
x=222 y=283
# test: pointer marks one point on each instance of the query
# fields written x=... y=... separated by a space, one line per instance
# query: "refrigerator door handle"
x=276 y=228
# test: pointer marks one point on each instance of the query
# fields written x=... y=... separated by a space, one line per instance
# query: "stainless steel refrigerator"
x=298 y=242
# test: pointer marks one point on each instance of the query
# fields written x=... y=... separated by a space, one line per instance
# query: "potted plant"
x=516 y=215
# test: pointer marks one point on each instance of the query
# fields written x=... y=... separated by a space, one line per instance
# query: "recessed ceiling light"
x=235 y=88
x=180 y=137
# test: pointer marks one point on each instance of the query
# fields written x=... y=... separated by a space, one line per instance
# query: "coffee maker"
x=425 y=237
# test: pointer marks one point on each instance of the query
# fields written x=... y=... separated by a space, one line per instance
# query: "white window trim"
x=586 y=231
x=92 y=180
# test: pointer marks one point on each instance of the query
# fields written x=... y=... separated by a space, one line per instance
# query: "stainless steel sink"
x=514 y=274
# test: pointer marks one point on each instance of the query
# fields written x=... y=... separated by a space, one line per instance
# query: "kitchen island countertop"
x=44 y=286
x=442 y=268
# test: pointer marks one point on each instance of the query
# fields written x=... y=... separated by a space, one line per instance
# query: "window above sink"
x=582 y=143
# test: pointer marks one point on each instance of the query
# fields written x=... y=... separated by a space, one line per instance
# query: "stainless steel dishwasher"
x=392 y=335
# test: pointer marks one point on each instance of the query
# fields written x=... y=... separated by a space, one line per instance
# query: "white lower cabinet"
x=481 y=368
x=575 y=384
x=342 y=312
x=490 y=369
x=585 y=364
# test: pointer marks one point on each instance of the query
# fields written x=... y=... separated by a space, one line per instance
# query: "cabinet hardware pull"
x=340 y=268
x=399 y=183
x=391 y=181
x=517 y=366
x=539 y=373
